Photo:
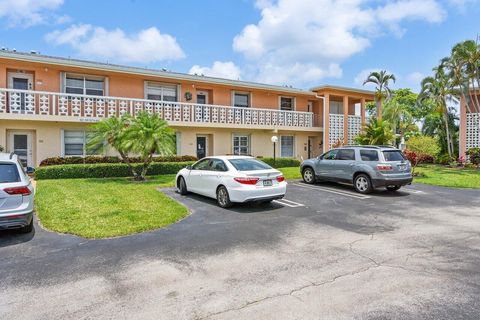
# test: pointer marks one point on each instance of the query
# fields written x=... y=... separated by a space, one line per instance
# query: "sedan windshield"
x=393 y=155
x=9 y=173
x=249 y=164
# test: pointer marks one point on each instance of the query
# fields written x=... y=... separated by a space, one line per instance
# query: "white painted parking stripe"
x=414 y=191
x=339 y=192
x=292 y=202
x=288 y=203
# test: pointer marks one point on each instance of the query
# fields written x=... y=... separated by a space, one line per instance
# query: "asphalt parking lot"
x=323 y=252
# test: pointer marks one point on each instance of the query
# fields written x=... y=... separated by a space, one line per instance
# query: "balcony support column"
x=345 y=120
x=326 y=122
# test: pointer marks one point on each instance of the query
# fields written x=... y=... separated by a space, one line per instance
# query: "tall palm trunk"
x=379 y=109
x=447 y=132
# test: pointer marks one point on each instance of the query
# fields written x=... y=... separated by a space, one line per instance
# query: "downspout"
x=324 y=119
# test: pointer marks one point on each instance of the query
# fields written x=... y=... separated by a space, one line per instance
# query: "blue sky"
x=302 y=43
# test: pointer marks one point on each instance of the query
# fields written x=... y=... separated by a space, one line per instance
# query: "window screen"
x=286 y=146
x=286 y=104
x=89 y=85
x=241 y=145
x=241 y=100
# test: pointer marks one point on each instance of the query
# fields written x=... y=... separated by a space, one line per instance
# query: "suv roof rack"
x=368 y=146
x=11 y=155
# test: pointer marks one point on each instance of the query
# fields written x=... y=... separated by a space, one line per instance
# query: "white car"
x=16 y=195
x=232 y=179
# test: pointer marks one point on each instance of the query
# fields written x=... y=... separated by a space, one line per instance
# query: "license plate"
x=267 y=183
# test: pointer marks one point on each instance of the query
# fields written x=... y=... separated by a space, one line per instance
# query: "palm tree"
x=112 y=131
x=148 y=135
x=382 y=91
x=375 y=132
x=467 y=55
x=440 y=90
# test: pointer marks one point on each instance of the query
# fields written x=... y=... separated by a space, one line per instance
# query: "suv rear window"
x=249 y=164
x=393 y=155
x=9 y=173
x=369 y=155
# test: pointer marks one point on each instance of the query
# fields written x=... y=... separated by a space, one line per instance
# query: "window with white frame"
x=287 y=146
x=75 y=143
x=241 y=100
x=241 y=145
x=159 y=91
x=287 y=104
x=84 y=84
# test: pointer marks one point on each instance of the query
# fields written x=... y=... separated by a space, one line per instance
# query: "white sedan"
x=232 y=179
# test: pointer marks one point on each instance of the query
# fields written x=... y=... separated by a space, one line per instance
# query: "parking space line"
x=289 y=203
x=342 y=193
x=413 y=190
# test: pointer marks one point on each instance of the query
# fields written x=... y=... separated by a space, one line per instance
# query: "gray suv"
x=366 y=167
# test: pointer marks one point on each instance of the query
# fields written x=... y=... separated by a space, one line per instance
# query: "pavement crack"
x=292 y=292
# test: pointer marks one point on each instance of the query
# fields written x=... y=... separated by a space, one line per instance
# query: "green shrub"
x=104 y=170
x=103 y=159
x=424 y=145
x=474 y=156
x=444 y=159
x=281 y=162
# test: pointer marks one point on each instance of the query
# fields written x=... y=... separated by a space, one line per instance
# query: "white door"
x=21 y=145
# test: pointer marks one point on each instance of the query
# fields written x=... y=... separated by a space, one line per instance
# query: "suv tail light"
x=24 y=191
x=384 y=167
x=248 y=180
x=280 y=178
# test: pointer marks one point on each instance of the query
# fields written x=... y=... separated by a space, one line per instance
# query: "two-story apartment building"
x=47 y=104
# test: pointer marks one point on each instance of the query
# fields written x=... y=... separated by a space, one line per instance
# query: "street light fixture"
x=274 y=141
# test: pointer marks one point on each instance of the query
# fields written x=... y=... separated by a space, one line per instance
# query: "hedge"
x=104 y=170
x=102 y=159
x=281 y=162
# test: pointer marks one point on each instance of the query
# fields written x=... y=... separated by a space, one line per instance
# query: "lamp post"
x=274 y=141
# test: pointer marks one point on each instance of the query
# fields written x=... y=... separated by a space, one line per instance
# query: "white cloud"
x=415 y=78
x=219 y=69
x=304 y=41
x=27 y=13
x=148 y=45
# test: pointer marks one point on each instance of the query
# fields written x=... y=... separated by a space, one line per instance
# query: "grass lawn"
x=448 y=177
x=291 y=173
x=99 y=208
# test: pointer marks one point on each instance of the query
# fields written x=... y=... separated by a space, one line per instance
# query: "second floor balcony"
x=54 y=106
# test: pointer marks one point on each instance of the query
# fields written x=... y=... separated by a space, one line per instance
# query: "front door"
x=20 y=81
x=309 y=147
x=21 y=145
x=201 y=147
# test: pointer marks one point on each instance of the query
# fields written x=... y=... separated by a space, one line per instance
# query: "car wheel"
x=393 y=188
x=308 y=176
x=182 y=186
x=28 y=228
x=363 y=184
x=223 y=199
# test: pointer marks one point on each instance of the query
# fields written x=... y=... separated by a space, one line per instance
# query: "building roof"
x=53 y=60
x=35 y=57
x=340 y=88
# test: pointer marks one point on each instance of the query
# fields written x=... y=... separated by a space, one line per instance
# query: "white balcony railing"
x=94 y=108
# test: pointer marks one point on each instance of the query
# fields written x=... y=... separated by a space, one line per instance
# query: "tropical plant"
x=148 y=135
x=440 y=90
x=474 y=155
x=112 y=131
x=375 y=132
x=401 y=120
x=381 y=79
